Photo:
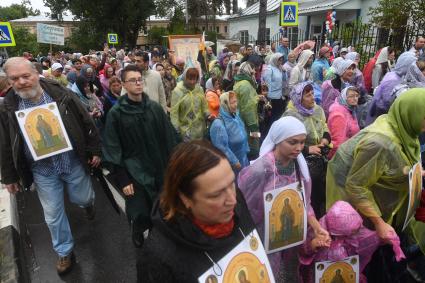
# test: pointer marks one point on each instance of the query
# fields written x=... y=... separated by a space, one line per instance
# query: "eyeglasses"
x=134 y=81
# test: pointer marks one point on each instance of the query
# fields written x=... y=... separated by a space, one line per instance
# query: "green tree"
x=396 y=15
x=17 y=11
x=99 y=17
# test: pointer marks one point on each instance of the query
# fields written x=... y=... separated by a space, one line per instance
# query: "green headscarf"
x=406 y=117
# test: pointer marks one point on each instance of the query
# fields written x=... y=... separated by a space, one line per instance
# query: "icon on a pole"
x=112 y=38
x=6 y=35
x=289 y=14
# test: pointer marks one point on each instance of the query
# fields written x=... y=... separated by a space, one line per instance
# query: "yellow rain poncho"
x=189 y=111
x=370 y=169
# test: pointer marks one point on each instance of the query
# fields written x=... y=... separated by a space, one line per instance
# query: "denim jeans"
x=51 y=194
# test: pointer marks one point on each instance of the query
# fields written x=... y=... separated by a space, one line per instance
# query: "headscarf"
x=352 y=56
x=281 y=130
x=209 y=85
x=81 y=83
x=83 y=72
x=404 y=62
x=246 y=72
x=221 y=59
x=383 y=56
x=303 y=59
x=323 y=51
x=71 y=77
x=225 y=102
x=343 y=66
x=228 y=74
x=414 y=77
x=274 y=60
x=342 y=99
x=297 y=97
x=406 y=119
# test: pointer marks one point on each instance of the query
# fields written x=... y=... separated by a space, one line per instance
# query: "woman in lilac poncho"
x=349 y=237
x=276 y=167
x=382 y=98
x=331 y=89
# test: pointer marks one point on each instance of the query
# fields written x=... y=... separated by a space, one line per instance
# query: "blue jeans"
x=51 y=194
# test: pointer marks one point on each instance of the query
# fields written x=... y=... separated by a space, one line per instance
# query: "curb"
x=11 y=251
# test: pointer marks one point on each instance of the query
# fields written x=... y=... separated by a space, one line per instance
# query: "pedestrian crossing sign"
x=112 y=38
x=6 y=35
x=289 y=14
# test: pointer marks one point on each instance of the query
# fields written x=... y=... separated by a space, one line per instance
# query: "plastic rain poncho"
x=228 y=134
x=262 y=176
x=349 y=238
x=370 y=170
x=189 y=110
x=382 y=98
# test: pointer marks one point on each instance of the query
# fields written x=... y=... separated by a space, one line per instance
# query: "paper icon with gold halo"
x=43 y=130
x=285 y=221
x=246 y=263
x=343 y=271
x=415 y=192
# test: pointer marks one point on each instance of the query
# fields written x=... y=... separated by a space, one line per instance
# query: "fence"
x=366 y=39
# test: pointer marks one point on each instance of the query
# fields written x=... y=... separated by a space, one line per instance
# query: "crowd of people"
x=194 y=144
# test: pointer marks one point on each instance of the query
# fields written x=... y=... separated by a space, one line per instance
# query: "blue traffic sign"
x=112 y=38
x=6 y=35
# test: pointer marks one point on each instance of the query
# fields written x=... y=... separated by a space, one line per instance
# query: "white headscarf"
x=209 y=85
x=343 y=66
x=281 y=130
x=304 y=56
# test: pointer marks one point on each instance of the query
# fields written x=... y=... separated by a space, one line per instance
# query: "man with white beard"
x=50 y=175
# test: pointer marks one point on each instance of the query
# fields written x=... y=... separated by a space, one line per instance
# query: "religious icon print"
x=343 y=271
x=415 y=191
x=285 y=218
x=246 y=263
x=43 y=131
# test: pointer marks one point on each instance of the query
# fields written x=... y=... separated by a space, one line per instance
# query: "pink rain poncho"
x=262 y=176
x=349 y=237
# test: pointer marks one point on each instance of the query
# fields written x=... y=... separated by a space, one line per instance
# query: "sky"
x=38 y=4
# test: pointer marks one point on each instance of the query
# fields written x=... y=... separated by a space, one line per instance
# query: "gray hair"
x=18 y=60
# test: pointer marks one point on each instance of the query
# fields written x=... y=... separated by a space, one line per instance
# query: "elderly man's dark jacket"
x=78 y=123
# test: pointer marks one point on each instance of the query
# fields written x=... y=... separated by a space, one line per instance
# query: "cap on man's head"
x=56 y=66
x=344 y=50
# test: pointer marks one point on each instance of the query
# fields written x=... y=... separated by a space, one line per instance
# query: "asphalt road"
x=103 y=248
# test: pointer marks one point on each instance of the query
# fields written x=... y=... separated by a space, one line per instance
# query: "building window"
x=225 y=29
x=244 y=37
x=217 y=29
x=316 y=29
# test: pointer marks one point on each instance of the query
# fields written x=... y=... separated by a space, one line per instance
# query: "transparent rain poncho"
x=370 y=170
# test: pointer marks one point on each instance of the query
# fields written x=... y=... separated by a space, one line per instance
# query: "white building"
x=312 y=17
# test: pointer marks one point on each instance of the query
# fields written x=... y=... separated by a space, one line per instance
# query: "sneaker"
x=90 y=212
x=136 y=235
x=65 y=263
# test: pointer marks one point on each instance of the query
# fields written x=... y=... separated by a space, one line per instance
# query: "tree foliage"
x=98 y=18
x=397 y=15
x=17 y=11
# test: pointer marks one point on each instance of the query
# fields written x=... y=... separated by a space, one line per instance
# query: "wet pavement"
x=103 y=248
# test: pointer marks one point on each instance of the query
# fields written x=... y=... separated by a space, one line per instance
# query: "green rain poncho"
x=189 y=111
x=315 y=124
x=370 y=169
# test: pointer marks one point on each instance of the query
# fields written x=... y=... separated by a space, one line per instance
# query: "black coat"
x=175 y=251
x=78 y=124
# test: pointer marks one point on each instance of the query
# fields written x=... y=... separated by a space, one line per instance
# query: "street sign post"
x=112 y=38
x=289 y=14
x=6 y=35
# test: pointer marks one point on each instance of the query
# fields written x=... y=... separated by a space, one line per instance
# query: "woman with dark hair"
x=199 y=218
x=189 y=108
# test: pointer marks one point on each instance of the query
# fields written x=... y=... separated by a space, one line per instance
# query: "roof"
x=305 y=6
x=41 y=18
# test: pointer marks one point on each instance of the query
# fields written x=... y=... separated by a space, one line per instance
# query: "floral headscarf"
x=297 y=97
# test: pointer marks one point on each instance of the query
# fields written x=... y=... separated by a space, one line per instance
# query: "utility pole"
x=187 y=17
